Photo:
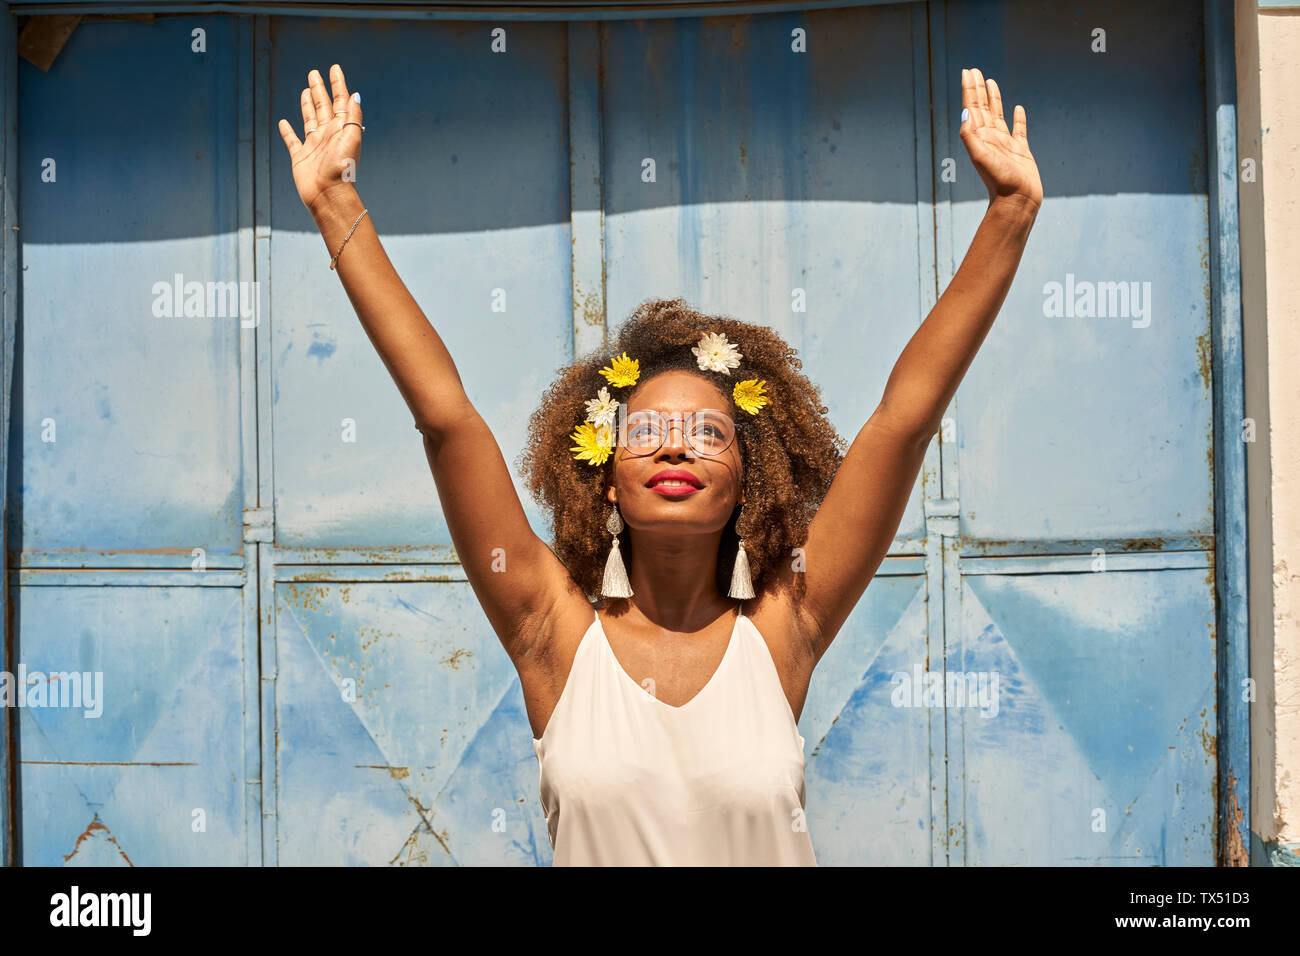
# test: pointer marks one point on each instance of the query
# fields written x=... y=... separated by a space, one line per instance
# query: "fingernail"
x=964 y=113
x=356 y=97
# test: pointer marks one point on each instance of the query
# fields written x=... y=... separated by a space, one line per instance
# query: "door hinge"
x=941 y=516
x=259 y=524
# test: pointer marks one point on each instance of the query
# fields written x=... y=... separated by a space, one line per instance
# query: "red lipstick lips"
x=674 y=483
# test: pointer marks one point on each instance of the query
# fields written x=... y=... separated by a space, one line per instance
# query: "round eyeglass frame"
x=668 y=421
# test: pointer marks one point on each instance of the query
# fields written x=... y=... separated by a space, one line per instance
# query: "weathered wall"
x=1268 y=49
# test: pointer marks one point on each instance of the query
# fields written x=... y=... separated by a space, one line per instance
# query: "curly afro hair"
x=790 y=450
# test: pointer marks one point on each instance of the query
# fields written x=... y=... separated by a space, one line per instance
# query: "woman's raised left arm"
x=852 y=530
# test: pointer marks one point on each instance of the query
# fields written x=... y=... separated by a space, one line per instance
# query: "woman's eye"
x=707 y=430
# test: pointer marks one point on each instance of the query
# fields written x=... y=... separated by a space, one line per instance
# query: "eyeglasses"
x=707 y=431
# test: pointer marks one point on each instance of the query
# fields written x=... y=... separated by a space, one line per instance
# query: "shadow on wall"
x=721 y=105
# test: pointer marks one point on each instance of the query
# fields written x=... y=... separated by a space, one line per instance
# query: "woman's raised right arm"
x=522 y=585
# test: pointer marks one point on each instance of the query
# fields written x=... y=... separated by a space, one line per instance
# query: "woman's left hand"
x=1001 y=156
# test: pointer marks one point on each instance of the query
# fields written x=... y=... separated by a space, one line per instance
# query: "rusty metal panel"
x=871 y=766
x=1088 y=415
x=126 y=474
x=402 y=737
x=121 y=223
x=149 y=772
x=1099 y=746
x=424 y=10
x=9 y=327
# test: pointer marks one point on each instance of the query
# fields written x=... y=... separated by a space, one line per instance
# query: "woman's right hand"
x=326 y=156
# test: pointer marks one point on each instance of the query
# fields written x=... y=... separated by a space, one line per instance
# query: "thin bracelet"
x=347 y=237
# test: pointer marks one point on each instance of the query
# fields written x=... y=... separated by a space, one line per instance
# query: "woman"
x=696 y=484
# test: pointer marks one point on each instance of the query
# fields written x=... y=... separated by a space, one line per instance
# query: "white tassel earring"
x=615 y=583
x=742 y=582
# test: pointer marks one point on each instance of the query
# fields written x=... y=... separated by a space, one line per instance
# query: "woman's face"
x=716 y=478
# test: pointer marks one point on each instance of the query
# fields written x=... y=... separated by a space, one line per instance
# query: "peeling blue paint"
x=1098 y=682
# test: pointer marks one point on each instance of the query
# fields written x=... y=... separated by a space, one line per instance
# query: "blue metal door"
x=127 y=460
x=234 y=519
x=394 y=720
x=1078 y=565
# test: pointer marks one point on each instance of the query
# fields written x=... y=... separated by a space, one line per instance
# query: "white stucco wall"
x=1268 y=65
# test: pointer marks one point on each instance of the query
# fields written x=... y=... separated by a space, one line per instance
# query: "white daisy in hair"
x=715 y=354
x=602 y=409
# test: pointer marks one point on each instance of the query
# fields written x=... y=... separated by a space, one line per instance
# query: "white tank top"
x=627 y=780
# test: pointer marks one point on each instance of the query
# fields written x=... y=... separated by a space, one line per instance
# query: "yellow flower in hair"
x=749 y=395
x=622 y=371
x=595 y=443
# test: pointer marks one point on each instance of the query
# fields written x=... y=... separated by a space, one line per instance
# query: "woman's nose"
x=681 y=443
